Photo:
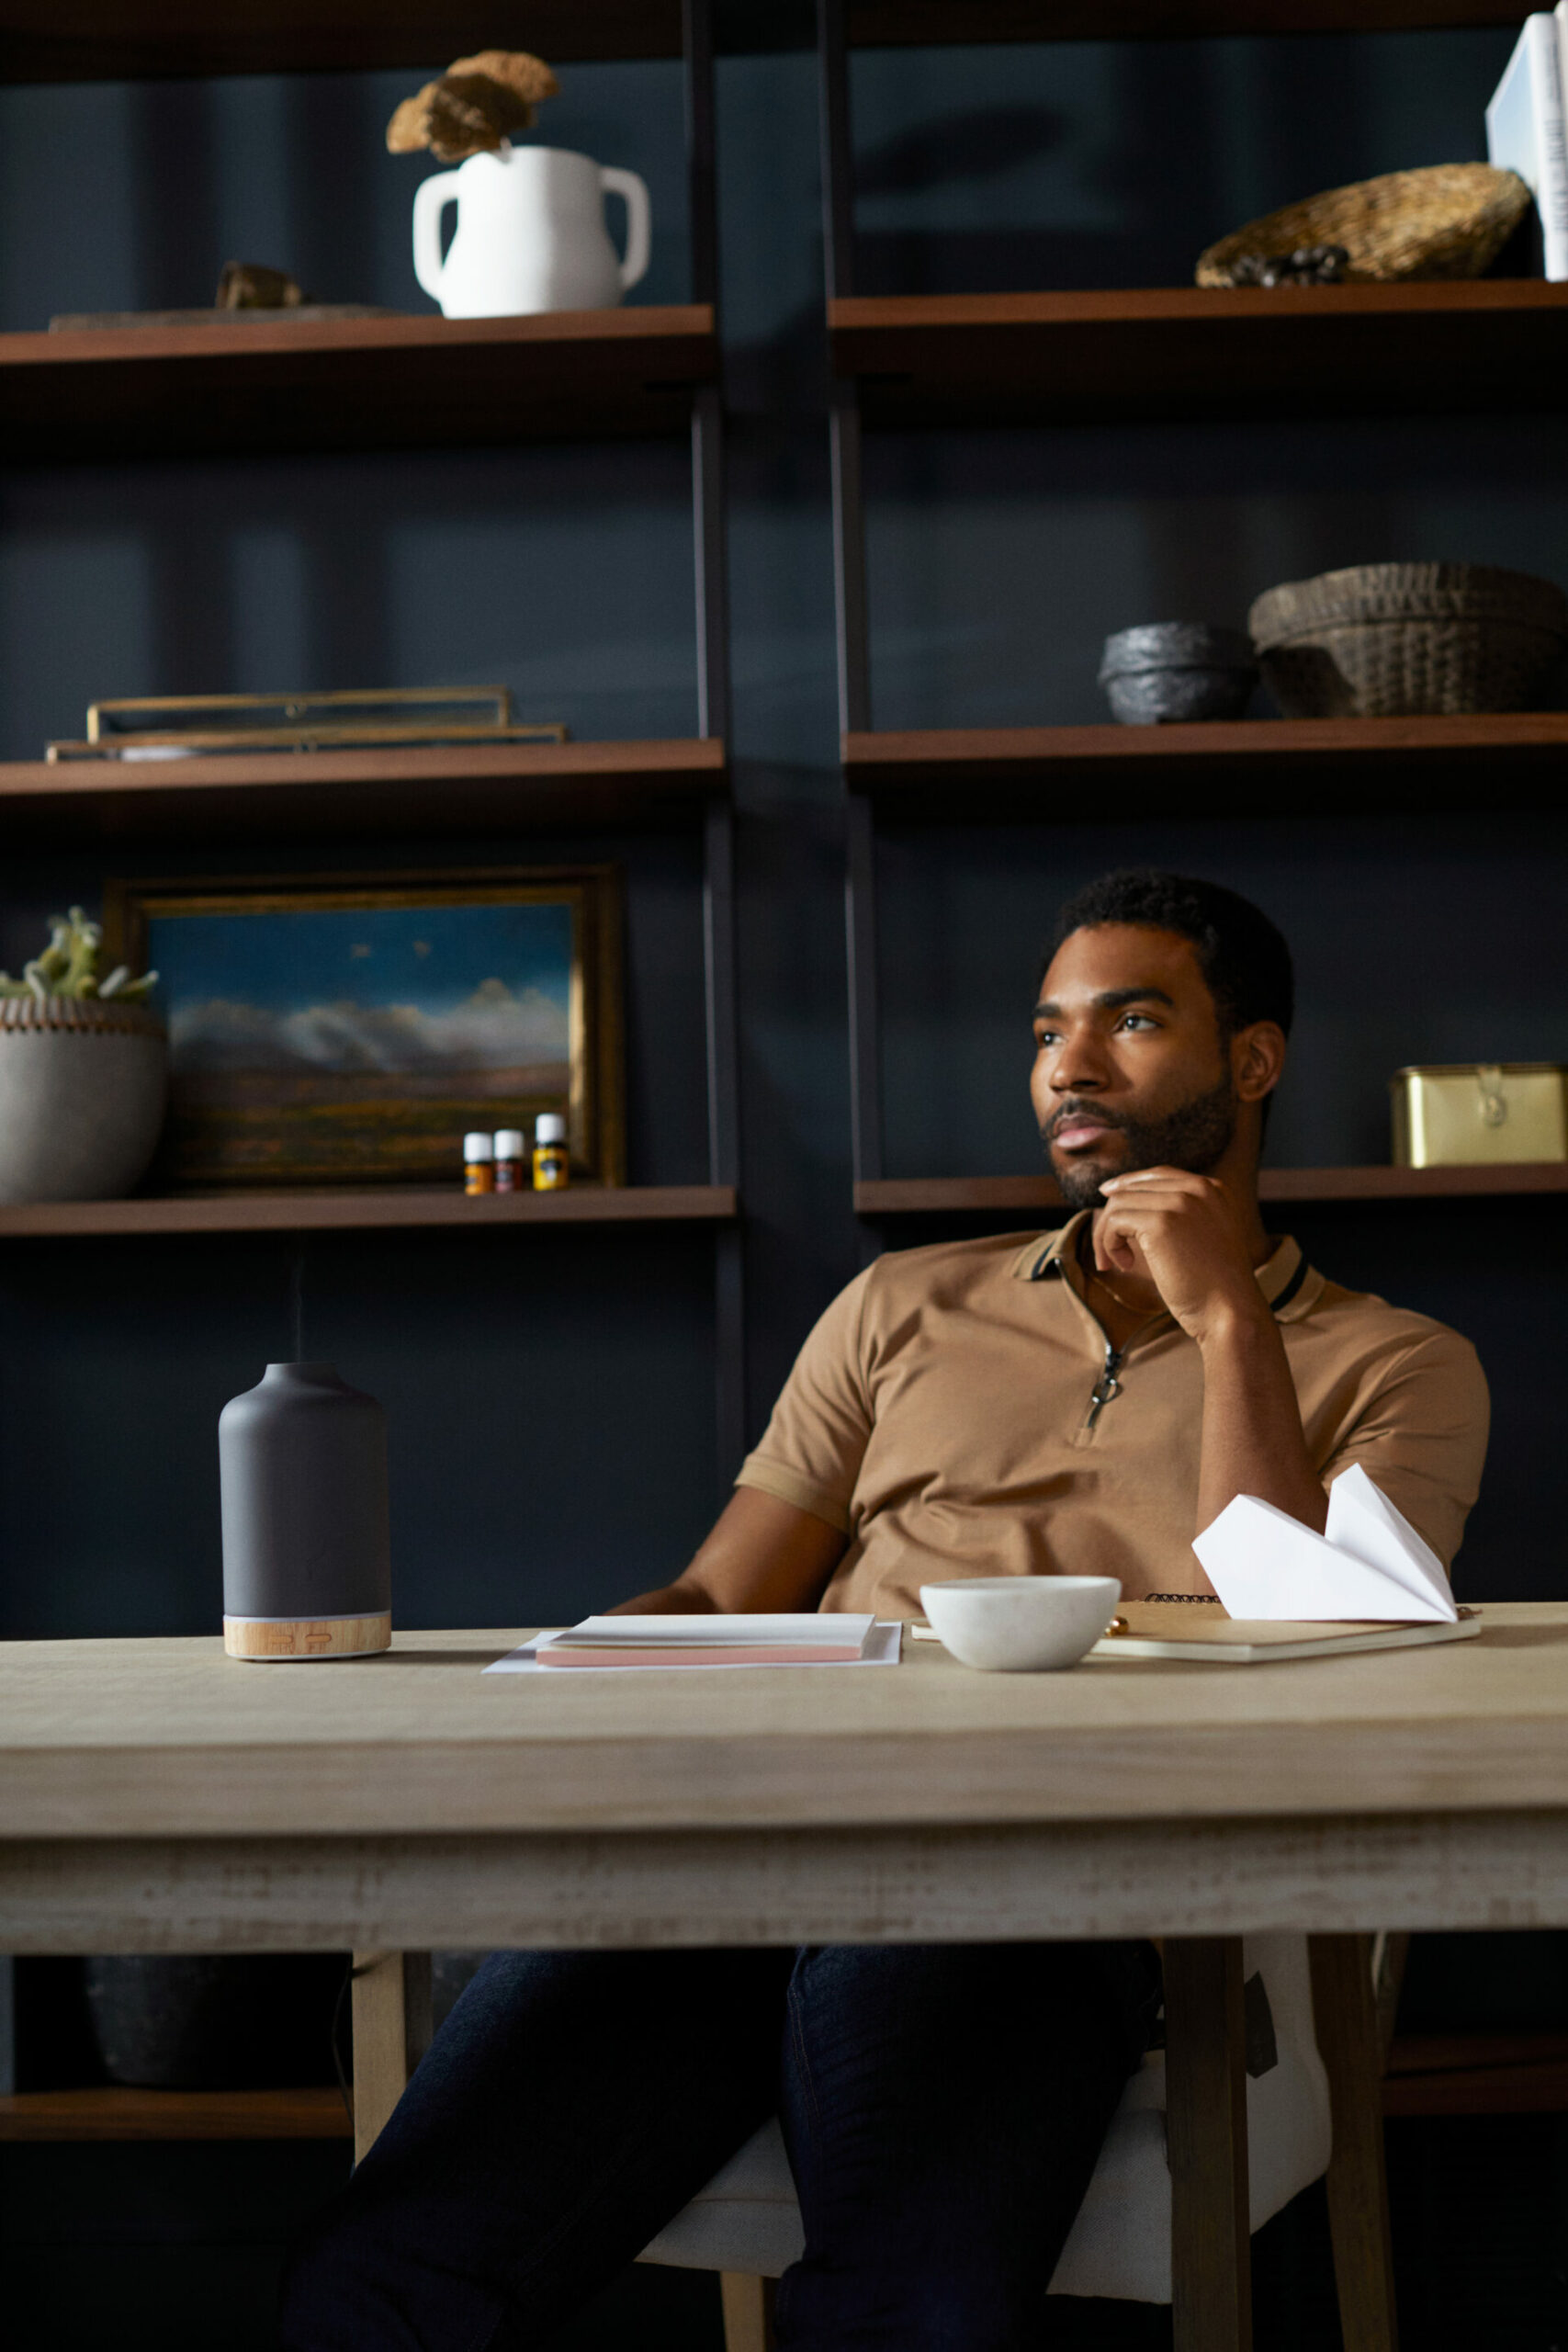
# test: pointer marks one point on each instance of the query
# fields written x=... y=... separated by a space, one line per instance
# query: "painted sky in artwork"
x=474 y=987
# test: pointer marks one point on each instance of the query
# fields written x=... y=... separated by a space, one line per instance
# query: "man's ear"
x=1257 y=1059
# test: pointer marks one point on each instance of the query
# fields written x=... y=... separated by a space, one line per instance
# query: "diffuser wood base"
x=302 y=1637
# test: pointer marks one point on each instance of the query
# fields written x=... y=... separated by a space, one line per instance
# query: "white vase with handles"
x=530 y=234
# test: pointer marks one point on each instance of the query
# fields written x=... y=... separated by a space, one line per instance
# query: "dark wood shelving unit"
x=994 y=1195
x=113 y=2111
x=390 y=1208
x=1148 y=355
x=263 y=384
x=1187 y=351
x=284 y=795
x=962 y=774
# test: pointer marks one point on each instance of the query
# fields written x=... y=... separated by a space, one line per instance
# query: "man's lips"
x=1074 y=1134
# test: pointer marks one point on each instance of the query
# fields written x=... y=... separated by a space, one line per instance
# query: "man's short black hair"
x=1241 y=955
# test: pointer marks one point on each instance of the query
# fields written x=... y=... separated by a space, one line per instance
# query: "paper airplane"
x=1370 y=1565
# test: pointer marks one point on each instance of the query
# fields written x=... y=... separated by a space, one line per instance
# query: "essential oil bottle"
x=510 y=1149
x=552 y=1168
x=478 y=1163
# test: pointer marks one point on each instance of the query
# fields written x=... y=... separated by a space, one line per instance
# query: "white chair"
x=1163 y=2225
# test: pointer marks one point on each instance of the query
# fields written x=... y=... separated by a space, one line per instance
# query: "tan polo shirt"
x=944 y=1414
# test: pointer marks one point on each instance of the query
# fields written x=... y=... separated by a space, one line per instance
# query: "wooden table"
x=155 y=1796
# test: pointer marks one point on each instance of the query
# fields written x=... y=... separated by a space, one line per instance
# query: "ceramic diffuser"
x=302 y=1466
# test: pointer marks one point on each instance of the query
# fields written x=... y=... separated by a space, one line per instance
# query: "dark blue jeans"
x=943 y=2106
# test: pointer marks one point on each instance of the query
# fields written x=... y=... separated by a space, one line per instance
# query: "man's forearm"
x=762 y=1555
x=1252 y=1426
x=680 y=1599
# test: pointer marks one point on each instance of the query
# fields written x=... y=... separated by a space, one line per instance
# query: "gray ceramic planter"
x=82 y=1086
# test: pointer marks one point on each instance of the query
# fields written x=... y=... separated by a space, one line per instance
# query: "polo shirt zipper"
x=1107 y=1386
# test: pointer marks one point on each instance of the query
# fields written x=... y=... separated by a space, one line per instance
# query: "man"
x=1081 y=1402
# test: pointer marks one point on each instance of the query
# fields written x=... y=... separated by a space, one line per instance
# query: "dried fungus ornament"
x=479 y=102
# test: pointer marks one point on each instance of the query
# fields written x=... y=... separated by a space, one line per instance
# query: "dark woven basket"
x=1388 y=640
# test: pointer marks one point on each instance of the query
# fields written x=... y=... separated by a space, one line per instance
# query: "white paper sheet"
x=882 y=1650
x=1368 y=1565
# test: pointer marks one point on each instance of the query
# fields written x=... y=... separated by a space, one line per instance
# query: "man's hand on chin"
x=1186 y=1236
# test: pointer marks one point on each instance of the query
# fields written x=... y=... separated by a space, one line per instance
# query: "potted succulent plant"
x=84 y=1072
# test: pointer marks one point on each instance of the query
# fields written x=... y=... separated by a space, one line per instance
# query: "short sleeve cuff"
x=772 y=1477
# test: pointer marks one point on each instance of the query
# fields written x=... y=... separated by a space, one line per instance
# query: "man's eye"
x=1138 y=1021
x=1045 y=1036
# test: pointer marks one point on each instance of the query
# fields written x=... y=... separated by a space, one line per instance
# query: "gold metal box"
x=1449 y=1115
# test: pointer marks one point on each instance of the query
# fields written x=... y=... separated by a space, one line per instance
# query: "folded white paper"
x=1370 y=1564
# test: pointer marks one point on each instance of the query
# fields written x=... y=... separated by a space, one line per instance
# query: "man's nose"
x=1079 y=1068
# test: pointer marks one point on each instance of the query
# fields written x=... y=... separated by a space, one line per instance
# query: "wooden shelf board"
x=489 y=787
x=390 y=1208
x=1535 y=2089
x=900 y=23
x=95 y=40
x=1428 y=2075
x=994 y=1195
x=263 y=384
x=104 y=41
x=1011 y=772
x=1482 y=2073
x=1535 y=2085
x=1156 y=352
x=116 y=2112
x=1438 y=2053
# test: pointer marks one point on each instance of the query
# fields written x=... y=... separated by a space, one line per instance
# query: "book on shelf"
x=1525 y=130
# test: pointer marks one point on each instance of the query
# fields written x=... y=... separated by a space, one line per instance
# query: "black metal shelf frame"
x=713 y=720
x=851 y=606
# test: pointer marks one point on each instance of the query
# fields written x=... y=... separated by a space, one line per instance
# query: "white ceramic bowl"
x=1021 y=1624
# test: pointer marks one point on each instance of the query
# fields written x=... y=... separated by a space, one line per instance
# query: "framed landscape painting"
x=351 y=1029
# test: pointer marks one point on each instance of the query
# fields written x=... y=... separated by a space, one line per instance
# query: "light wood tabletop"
x=155 y=1795
x=170 y=1738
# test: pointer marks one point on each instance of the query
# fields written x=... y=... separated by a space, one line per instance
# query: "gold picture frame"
x=350 y=1029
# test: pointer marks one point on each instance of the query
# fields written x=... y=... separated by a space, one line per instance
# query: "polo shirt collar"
x=1285 y=1278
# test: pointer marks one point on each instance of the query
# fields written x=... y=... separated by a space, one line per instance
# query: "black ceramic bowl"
x=1170 y=671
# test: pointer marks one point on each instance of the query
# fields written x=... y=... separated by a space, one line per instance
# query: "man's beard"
x=1195 y=1137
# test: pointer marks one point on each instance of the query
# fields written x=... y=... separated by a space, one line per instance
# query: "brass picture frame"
x=350 y=1029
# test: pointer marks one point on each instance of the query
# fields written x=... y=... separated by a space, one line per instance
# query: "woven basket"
x=1450 y=220
x=1390 y=640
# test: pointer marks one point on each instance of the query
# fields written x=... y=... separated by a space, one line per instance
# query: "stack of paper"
x=798 y=1640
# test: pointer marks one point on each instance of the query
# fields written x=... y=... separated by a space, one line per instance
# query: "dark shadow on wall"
x=332 y=124
x=174 y=147
x=978 y=146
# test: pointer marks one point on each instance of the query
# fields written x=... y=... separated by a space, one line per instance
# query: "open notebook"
x=1192 y=1630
